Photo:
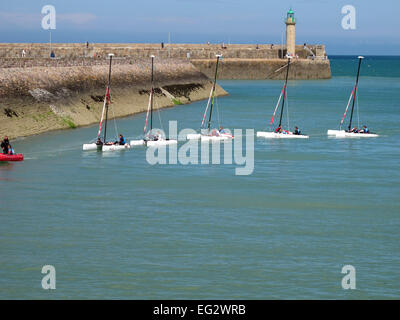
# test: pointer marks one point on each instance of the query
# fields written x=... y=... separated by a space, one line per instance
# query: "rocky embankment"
x=50 y=94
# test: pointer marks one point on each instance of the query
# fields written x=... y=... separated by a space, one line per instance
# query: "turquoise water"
x=115 y=227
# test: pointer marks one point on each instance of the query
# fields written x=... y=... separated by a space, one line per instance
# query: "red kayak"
x=14 y=157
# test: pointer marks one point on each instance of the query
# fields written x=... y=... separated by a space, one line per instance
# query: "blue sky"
x=199 y=21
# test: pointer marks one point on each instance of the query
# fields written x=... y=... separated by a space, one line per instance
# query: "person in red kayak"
x=5 y=146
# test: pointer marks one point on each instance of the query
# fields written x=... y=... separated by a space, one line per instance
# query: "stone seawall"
x=144 y=50
x=41 y=98
x=260 y=69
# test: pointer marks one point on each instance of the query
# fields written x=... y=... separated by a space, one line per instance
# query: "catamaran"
x=280 y=133
x=208 y=134
x=351 y=133
x=152 y=139
x=103 y=145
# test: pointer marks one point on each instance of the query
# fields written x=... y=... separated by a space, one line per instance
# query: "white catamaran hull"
x=274 y=135
x=158 y=143
x=112 y=147
x=205 y=137
x=193 y=136
x=89 y=146
x=135 y=143
x=221 y=137
x=344 y=134
x=115 y=147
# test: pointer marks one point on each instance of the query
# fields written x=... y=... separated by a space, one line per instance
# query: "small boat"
x=276 y=135
x=11 y=157
x=152 y=139
x=207 y=134
x=103 y=145
x=284 y=134
x=348 y=133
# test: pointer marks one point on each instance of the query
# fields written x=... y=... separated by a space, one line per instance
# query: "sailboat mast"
x=355 y=90
x=213 y=92
x=107 y=97
x=284 y=91
x=151 y=93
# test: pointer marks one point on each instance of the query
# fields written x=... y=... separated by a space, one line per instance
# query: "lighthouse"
x=290 y=33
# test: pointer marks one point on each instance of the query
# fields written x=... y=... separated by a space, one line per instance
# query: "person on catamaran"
x=364 y=130
x=215 y=133
x=221 y=129
x=99 y=142
x=279 y=129
x=354 y=130
x=121 y=141
x=151 y=137
x=296 y=131
x=5 y=145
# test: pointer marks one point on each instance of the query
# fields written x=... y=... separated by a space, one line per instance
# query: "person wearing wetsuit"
x=354 y=130
x=122 y=141
x=364 y=130
x=278 y=130
x=99 y=142
x=297 y=131
x=5 y=145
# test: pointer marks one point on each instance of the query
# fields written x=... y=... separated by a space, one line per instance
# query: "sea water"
x=114 y=226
